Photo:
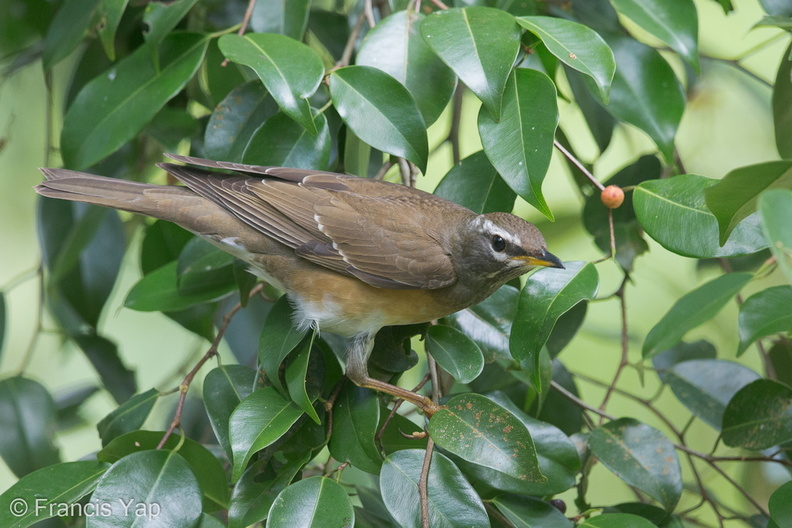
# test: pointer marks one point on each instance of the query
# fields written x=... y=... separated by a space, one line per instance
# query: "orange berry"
x=612 y=196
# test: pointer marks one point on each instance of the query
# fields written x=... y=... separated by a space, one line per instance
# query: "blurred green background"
x=727 y=124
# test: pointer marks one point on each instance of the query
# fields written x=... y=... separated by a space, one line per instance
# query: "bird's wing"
x=367 y=229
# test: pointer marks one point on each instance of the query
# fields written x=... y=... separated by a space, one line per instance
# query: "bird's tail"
x=135 y=197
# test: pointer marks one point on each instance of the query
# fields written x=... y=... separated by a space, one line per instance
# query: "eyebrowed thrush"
x=353 y=254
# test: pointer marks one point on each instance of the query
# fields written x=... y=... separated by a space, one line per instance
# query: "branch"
x=576 y=162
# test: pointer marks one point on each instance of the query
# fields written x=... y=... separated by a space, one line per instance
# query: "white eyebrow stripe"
x=489 y=227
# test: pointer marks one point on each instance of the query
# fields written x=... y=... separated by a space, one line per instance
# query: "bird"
x=352 y=254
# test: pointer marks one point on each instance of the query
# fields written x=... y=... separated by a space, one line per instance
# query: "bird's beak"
x=547 y=259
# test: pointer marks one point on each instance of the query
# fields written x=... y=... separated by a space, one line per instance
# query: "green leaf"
x=693 y=309
x=203 y=266
x=282 y=142
x=161 y=18
x=171 y=126
x=780 y=505
x=577 y=46
x=205 y=466
x=162 y=243
x=641 y=456
x=395 y=46
x=277 y=16
x=278 y=338
x=111 y=12
x=117 y=378
x=673 y=212
x=683 y=351
x=759 y=416
x=646 y=93
x=616 y=520
x=474 y=183
x=452 y=501
x=489 y=323
x=393 y=438
x=223 y=388
x=63 y=483
x=546 y=296
x=317 y=502
x=675 y=23
x=480 y=431
x=127 y=417
x=775 y=208
x=112 y=108
x=480 y=44
x=258 y=421
x=455 y=352
x=234 y=121
x=782 y=103
x=71 y=23
x=736 y=195
x=2 y=320
x=528 y=512
x=520 y=144
x=381 y=112
x=296 y=380
x=27 y=413
x=356 y=417
x=765 y=313
x=289 y=69
x=159 y=291
x=706 y=386
x=157 y=486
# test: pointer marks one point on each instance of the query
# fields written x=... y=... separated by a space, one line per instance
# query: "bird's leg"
x=357 y=371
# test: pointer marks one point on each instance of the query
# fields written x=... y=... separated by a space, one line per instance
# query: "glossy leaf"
x=706 y=386
x=282 y=142
x=278 y=338
x=546 y=296
x=782 y=105
x=759 y=416
x=127 y=417
x=736 y=195
x=156 y=484
x=775 y=208
x=117 y=378
x=318 y=502
x=276 y=16
x=70 y=25
x=296 y=380
x=480 y=431
x=600 y=122
x=258 y=421
x=223 y=388
x=641 y=456
x=474 y=183
x=203 y=266
x=520 y=144
x=616 y=520
x=693 y=309
x=27 y=413
x=780 y=505
x=455 y=352
x=646 y=93
x=112 y=108
x=381 y=112
x=204 y=465
x=480 y=44
x=765 y=313
x=57 y=484
x=289 y=69
x=672 y=211
x=111 y=12
x=395 y=46
x=234 y=121
x=675 y=23
x=161 y=18
x=683 y=351
x=356 y=417
x=453 y=503
x=577 y=46
x=2 y=320
x=159 y=291
x=527 y=512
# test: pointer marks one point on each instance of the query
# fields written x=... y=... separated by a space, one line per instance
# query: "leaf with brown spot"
x=472 y=427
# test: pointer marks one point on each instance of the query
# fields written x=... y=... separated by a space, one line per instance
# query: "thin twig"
x=625 y=345
x=185 y=384
x=576 y=162
x=346 y=56
x=456 y=118
x=368 y=10
x=423 y=488
x=439 y=4
x=396 y=406
x=577 y=401
x=243 y=26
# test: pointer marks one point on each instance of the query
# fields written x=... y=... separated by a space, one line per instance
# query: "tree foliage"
x=362 y=87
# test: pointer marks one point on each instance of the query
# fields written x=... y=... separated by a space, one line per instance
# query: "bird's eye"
x=498 y=244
